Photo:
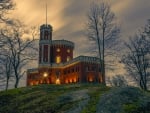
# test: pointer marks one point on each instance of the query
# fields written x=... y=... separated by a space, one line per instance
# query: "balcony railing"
x=63 y=42
x=77 y=59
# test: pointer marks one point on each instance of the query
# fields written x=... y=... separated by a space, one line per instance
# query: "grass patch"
x=94 y=94
x=43 y=98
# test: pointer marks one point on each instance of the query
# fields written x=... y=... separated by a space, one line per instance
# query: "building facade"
x=57 y=65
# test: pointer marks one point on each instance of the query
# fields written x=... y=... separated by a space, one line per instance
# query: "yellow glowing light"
x=75 y=80
x=58 y=81
x=66 y=81
x=31 y=83
x=58 y=59
x=68 y=51
x=68 y=58
x=91 y=79
x=45 y=75
x=70 y=80
x=58 y=50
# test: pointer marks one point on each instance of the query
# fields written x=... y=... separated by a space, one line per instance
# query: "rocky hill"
x=74 y=98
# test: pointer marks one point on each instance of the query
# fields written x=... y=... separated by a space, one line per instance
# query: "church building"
x=57 y=64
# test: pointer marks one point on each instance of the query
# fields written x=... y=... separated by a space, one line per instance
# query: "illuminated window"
x=58 y=50
x=31 y=83
x=58 y=59
x=68 y=58
x=66 y=81
x=74 y=80
x=70 y=80
x=57 y=81
x=68 y=50
x=90 y=79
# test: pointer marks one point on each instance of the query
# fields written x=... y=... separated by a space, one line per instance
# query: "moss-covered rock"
x=124 y=100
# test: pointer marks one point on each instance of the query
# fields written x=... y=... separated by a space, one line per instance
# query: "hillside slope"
x=73 y=98
x=124 y=100
x=50 y=98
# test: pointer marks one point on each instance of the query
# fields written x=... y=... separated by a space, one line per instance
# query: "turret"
x=45 y=43
x=46 y=32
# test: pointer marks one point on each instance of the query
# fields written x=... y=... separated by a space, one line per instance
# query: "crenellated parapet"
x=62 y=43
x=44 y=26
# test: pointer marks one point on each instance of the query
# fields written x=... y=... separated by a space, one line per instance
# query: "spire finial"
x=46 y=12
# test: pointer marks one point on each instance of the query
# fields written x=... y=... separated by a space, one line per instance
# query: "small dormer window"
x=68 y=50
x=58 y=50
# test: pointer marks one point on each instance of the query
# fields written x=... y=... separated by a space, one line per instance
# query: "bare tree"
x=103 y=31
x=137 y=58
x=22 y=50
x=5 y=6
x=6 y=68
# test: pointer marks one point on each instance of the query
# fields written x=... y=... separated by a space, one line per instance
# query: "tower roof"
x=46 y=26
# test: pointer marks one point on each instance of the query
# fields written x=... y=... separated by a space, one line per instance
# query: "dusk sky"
x=68 y=18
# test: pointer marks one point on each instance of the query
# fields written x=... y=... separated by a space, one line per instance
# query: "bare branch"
x=137 y=60
x=103 y=31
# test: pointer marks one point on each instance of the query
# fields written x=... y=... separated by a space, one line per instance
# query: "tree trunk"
x=7 y=81
x=17 y=82
x=145 y=85
x=103 y=52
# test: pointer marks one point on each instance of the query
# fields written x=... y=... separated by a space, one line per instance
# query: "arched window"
x=68 y=58
x=58 y=59
x=46 y=35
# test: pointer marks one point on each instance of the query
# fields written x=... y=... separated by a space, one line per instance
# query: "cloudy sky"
x=68 y=17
